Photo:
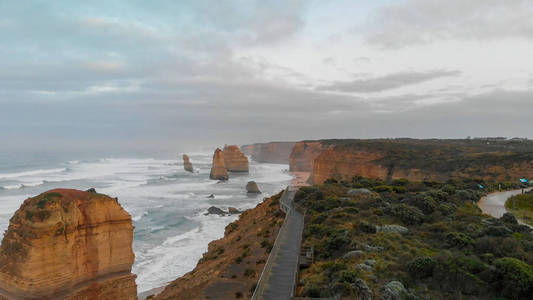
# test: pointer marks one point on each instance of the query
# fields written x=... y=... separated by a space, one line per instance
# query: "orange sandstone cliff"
x=416 y=160
x=234 y=159
x=303 y=154
x=187 y=166
x=274 y=152
x=218 y=170
x=232 y=265
x=68 y=244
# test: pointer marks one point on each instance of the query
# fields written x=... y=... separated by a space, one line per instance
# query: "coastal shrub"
x=408 y=214
x=312 y=290
x=513 y=277
x=349 y=276
x=383 y=189
x=421 y=267
x=458 y=239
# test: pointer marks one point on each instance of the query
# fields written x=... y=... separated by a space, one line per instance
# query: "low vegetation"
x=522 y=207
x=412 y=240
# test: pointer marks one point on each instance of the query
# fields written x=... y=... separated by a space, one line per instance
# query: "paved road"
x=494 y=204
x=278 y=278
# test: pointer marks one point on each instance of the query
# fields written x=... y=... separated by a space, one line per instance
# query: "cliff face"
x=416 y=160
x=274 y=152
x=187 y=166
x=234 y=159
x=343 y=165
x=218 y=170
x=68 y=244
x=233 y=264
x=303 y=154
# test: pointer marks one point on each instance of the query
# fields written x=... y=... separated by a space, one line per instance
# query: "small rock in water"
x=233 y=210
x=251 y=187
x=213 y=210
x=211 y=196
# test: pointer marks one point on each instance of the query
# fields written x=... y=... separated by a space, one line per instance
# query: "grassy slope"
x=451 y=250
x=522 y=207
x=232 y=265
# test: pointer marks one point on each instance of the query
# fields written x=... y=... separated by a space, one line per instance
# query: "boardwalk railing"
x=263 y=279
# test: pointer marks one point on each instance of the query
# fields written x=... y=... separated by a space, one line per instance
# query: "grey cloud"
x=425 y=21
x=387 y=82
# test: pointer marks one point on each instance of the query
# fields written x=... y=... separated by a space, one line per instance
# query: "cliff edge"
x=68 y=244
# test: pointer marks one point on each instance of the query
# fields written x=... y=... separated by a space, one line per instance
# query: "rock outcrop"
x=187 y=166
x=218 y=170
x=274 y=152
x=234 y=159
x=251 y=187
x=303 y=154
x=68 y=244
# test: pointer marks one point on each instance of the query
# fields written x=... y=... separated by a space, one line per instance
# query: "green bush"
x=421 y=267
x=514 y=278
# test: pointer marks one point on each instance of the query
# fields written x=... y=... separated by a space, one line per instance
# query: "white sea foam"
x=30 y=173
x=167 y=204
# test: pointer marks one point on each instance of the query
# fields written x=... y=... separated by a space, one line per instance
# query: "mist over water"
x=166 y=203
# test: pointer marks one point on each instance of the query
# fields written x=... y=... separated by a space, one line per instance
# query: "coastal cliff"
x=415 y=160
x=218 y=170
x=303 y=155
x=234 y=159
x=274 y=152
x=68 y=244
x=232 y=265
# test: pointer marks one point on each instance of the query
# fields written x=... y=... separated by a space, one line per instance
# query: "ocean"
x=166 y=203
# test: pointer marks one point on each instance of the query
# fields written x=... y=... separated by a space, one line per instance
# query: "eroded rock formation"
x=187 y=163
x=251 y=187
x=218 y=170
x=303 y=154
x=274 y=152
x=68 y=244
x=234 y=159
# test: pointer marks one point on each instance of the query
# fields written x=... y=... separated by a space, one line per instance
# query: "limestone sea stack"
x=187 y=163
x=68 y=244
x=235 y=160
x=218 y=170
x=251 y=187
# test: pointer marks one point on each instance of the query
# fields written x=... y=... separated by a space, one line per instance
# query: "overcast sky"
x=173 y=74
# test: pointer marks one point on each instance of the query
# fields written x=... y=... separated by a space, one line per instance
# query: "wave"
x=31 y=173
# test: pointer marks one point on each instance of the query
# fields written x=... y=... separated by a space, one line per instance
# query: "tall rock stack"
x=234 y=159
x=218 y=170
x=68 y=244
x=187 y=163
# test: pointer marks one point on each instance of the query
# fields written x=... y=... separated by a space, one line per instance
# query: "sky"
x=176 y=75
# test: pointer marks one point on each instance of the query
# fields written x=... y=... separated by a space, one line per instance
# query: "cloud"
x=416 y=22
x=387 y=82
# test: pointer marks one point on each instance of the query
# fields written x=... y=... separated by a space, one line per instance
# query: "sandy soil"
x=300 y=178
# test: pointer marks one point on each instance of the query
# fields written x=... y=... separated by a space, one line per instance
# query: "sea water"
x=167 y=204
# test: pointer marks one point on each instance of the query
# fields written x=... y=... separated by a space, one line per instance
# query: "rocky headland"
x=234 y=159
x=218 y=170
x=274 y=152
x=415 y=160
x=187 y=165
x=68 y=244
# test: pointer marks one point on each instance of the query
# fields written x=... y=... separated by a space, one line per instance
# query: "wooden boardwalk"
x=278 y=279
